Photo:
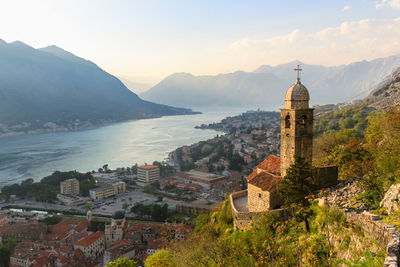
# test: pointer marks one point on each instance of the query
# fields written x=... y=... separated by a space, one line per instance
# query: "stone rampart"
x=241 y=218
x=386 y=234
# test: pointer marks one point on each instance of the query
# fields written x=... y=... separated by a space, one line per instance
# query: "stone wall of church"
x=325 y=176
x=296 y=136
x=257 y=199
x=242 y=220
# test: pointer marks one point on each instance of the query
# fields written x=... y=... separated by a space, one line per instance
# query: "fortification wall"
x=243 y=219
x=386 y=234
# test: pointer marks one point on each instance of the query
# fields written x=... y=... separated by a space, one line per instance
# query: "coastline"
x=86 y=125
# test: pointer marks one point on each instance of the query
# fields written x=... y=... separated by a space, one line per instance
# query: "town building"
x=102 y=192
x=119 y=187
x=205 y=179
x=3 y=218
x=147 y=174
x=296 y=141
x=121 y=249
x=71 y=200
x=116 y=228
x=70 y=187
x=23 y=231
x=107 y=191
x=92 y=245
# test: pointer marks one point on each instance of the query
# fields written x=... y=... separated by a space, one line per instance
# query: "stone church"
x=296 y=140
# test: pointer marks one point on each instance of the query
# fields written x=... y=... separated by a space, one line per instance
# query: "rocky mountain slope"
x=266 y=86
x=387 y=93
x=53 y=85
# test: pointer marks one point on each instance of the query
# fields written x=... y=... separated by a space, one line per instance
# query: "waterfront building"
x=107 y=191
x=119 y=188
x=147 y=174
x=69 y=187
x=204 y=179
x=71 y=200
x=92 y=245
x=102 y=192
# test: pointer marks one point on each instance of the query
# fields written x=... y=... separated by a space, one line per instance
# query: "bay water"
x=118 y=145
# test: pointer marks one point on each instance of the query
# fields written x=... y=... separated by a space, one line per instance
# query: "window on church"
x=303 y=120
x=259 y=195
x=287 y=121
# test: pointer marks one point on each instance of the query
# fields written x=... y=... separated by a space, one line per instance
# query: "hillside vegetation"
x=273 y=241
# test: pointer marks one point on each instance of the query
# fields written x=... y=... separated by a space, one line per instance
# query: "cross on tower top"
x=298 y=72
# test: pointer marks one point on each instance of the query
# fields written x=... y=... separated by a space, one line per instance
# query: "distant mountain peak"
x=20 y=44
x=266 y=85
x=58 y=51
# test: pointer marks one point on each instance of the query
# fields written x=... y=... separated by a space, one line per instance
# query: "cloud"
x=351 y=41
x=345 y=8
x=395 y=4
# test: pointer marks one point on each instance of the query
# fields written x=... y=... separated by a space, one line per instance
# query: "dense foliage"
x=373 y=157
x=157 y=212
x=6 y=250
x=46 y=189
x=121 y=262
x=51 y=220
x=351 y=120
x=272 y=241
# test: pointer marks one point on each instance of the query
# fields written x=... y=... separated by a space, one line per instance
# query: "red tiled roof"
x=271 y=164
x=265 y=181
x=251 y=176
x=90 y=239
x=148 y=167
x=59 y=228
x=82 y=225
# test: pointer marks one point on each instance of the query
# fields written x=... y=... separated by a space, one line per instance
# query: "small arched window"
x=287 y=121
x=303 y=120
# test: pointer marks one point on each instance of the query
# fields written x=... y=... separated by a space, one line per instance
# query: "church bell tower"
x=296 y=125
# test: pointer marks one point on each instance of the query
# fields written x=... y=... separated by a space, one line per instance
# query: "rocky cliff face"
x=387 y=93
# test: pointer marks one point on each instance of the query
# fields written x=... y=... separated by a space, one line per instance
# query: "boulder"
x=391 y=201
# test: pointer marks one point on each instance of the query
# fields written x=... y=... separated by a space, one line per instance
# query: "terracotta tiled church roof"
x=251 y=175
x=271 y=164
x=265 y=181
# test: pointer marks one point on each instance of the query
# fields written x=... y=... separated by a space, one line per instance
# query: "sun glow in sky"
x=148 y=40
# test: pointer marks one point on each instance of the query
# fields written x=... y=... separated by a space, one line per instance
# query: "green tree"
x=125 y=206
x=162 y=258
x=121 y=262
x=296 y=186
x=6 y=250
x=51 y=220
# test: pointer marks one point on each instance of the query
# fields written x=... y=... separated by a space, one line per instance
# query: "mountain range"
x=265 y=87
x=52 y=85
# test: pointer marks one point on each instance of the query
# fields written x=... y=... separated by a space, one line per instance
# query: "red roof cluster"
x=90 y=239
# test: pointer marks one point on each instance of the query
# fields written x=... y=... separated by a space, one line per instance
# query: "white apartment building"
x=70 y=187
x=107 y=191
x=148 y=174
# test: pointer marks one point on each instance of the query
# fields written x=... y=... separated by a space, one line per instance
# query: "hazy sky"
x=148 y=40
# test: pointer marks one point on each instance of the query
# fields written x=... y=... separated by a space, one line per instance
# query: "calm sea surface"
x=118 y=145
